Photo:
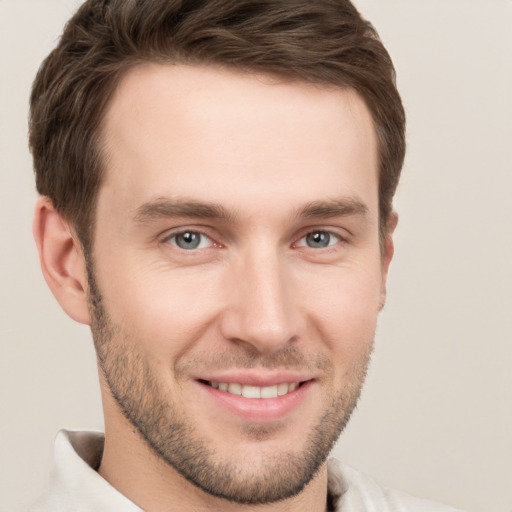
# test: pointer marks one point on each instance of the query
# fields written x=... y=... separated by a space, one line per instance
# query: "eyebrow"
x=162 y=207
x=333 y=208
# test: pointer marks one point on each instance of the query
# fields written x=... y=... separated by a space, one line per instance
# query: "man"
x=216 y=185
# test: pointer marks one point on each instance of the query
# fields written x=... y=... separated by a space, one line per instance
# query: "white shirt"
x=75 y=484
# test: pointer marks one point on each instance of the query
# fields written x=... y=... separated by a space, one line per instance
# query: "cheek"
x=347 y=325
x=162 y=311
x=344 y=308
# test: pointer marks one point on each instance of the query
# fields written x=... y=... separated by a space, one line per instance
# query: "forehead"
x=197 y=130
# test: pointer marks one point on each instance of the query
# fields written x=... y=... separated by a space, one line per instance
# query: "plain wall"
x=435 y=417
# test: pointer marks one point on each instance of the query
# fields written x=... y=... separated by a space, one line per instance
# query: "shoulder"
x=353 y=491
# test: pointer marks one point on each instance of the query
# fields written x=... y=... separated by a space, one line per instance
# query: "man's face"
x=237 y=272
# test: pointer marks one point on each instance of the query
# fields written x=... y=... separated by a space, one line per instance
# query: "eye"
x=190 y=240
x=319 y=240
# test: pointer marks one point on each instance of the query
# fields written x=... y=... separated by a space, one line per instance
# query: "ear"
x=62 y=260
x=388 y=250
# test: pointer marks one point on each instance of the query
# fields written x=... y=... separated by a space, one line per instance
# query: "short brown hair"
x=317 y=41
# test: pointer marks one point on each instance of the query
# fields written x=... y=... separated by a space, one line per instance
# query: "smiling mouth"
x=248 y=391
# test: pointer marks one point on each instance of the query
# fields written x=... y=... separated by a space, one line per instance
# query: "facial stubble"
x=173 y=437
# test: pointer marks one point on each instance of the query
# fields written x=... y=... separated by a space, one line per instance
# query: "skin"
x=269 y=162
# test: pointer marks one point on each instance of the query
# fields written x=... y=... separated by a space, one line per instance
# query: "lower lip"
x=259 y=409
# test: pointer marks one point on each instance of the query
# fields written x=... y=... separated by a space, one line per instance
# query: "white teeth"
x=235 y=389
x=255 y=391
x=282 y=389
x=269 y=392
x=251 y=392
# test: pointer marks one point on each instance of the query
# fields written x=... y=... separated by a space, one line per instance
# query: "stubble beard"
x=173 y=437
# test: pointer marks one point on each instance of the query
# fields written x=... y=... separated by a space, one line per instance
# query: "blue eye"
x=319 y=240
x=190 y=240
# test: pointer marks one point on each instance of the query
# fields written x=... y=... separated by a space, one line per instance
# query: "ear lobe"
x=387 y=255
x=62 y=260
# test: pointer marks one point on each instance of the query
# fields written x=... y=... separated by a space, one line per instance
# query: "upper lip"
x=256 y=378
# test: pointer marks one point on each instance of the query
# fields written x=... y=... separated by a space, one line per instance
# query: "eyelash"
x=172 y=239
x=324 y=233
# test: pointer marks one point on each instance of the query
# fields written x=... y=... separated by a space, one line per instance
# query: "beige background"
x=436 y=414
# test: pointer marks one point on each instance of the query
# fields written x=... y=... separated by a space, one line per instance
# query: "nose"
x=261 y=306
